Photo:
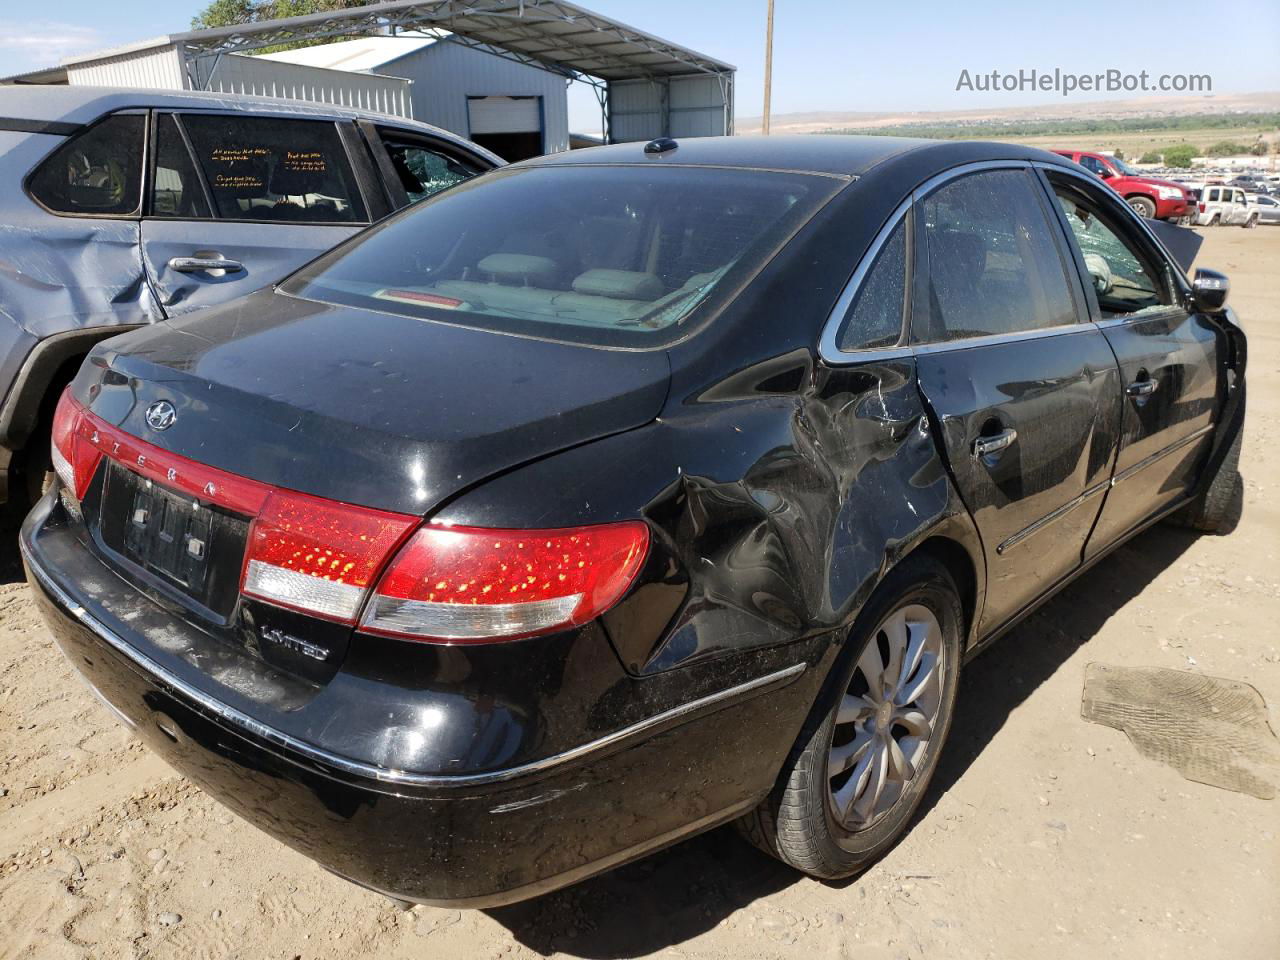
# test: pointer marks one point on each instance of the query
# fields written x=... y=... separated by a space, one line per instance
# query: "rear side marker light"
x=468 y=584
x=71 y=449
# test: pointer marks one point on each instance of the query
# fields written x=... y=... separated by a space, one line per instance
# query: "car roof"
x=77 y=104
x=834 y=154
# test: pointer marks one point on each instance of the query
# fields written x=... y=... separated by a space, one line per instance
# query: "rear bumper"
x=466 y=840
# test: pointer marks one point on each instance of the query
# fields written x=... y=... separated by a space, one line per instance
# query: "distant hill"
x=1060 y=111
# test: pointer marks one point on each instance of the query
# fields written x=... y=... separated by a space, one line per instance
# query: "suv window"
x=424 y=171
x=1124 y=280
x=993 y=266
x=1092 y=164
x=175 y=189
x=875 y=317
x=95 y=173
x=266 y=168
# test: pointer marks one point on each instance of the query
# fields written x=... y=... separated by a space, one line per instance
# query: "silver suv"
x=125 y=207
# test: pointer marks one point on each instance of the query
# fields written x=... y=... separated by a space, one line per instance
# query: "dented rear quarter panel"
x=779 y=490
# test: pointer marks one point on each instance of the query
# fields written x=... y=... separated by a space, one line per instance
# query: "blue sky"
x=828 y=54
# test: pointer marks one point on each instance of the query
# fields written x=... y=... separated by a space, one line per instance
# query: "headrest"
x=619 y=284
x=520 y=268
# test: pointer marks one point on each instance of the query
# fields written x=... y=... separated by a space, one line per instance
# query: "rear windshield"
x=611 y=255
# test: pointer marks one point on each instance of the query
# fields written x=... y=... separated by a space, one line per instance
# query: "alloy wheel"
x=887 y=717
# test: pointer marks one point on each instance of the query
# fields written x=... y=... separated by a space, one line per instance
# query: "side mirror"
x=1209 y=291
x=1105 y=173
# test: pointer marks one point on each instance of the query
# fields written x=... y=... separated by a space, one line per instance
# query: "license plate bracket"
x=169 y=534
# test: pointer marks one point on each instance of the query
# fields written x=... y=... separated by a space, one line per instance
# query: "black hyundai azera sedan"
x=619 y=494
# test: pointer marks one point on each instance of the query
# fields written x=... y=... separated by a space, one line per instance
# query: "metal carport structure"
x=646 y=86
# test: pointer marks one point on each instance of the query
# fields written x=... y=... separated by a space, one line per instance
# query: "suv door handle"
x=200 y=264
x=985 y=446
x=1141 y=388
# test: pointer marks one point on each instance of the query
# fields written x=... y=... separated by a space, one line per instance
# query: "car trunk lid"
x=361 y=407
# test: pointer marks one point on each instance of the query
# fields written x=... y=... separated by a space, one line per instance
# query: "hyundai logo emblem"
x=161 y=415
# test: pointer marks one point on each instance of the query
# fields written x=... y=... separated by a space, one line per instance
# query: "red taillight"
x=322 y=557
x=74 y=456
x=469 y=584
x=318 y=555
x=1201 y=206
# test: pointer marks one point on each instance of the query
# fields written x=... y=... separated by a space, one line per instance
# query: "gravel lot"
x=1044 y=835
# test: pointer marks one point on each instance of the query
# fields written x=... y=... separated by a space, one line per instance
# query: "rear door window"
x=993 y=265
x=95 y=173
x=425 y=170
x=176 y=190
x=275 y=170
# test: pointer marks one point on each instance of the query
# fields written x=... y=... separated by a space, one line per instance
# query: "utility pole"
x=768 y=69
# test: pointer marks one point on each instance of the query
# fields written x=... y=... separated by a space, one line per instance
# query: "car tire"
x=1215 y=220
x=1220 y=505
x=1251 y=222
x=1143 y=206
x=800 y=822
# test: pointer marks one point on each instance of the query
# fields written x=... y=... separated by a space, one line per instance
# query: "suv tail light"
x=468 y=584
x=74 y=456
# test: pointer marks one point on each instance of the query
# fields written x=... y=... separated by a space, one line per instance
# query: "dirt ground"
x=1043 y=836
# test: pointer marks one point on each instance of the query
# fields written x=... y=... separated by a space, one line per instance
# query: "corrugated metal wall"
x=445 y=74
x=681 y=107
x=156 y=68
x=234 y=73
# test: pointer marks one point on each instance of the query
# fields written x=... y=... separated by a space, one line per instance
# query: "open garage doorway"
x=512 y=127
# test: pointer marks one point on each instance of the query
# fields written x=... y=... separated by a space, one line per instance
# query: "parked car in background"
x=1149 y=197
x=128 y=206
x=1221 y=205
x=1268 y=208
x=523 y=535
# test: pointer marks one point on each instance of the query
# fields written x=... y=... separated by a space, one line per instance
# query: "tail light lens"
x=1201 y=206
x=469 y=584
x=322 y=557
x=318 y=556
x=74 y=456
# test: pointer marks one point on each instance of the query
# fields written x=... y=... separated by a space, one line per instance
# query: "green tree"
x=1180 y=155
x=231 y=13
x=1227 y=148
x=1119 y=154
x=1151 y=157
x=1259 y=149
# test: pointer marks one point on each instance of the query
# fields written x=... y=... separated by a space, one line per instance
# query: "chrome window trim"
x=828 y=349
x=965 y=343
x=828 y=345
x=276 y=740
x=955 y=173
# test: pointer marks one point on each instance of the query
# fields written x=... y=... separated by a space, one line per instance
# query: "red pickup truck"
x=1151 y=198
